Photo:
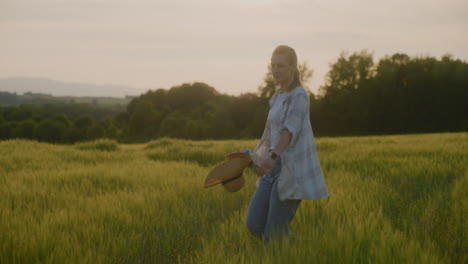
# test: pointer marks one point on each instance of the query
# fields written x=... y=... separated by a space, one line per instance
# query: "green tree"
x=389 y=95
x=81 y=125
x=50 y=131
x=305 y=73
x=6 y=130
x=349 y=72
x=83 y=121
x=255 y=130
x=144 y=121
x=15 y=113
x=344 y=110
x=190 y=95
x=25 y=129
x=95 y=131
x=268 y=87
x=121 y=122
x=243 y=112
x=54 y=129
x=110 y=130
x=174 y=125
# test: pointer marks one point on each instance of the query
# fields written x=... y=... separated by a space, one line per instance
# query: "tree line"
x=57 y=123
x=397 y=94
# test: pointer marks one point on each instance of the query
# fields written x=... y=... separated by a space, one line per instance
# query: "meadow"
x=393 y=199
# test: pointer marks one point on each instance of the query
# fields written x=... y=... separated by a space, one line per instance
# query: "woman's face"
x=281 y=70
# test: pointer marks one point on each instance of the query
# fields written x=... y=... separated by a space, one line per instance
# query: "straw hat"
x=230 y=173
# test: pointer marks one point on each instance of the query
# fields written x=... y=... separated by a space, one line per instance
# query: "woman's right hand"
x=265 y=166
x=259 y=171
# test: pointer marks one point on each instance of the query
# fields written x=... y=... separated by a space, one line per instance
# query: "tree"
x=189 y=95
x=242 y=111
x=111 y=131
x=389 y=95
x=268 y=88
x=83 y=121
x=344 y=110
x=144 y=121
x=51 y=130
x=174 y=125
x=257 y=126
x=25 y=129
x=305 y=73
x=17 y=113
x=79 y=130
x=95 y=131
x=349 y=72
x=6 y=130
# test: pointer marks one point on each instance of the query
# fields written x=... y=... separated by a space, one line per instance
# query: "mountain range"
x=23 y=85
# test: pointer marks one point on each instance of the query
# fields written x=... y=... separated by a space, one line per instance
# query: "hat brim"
x=234 y=184
x=227 y=170
x=239 y=155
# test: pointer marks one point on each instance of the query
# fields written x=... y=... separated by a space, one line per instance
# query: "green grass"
x=100 y=144
x=393 y=199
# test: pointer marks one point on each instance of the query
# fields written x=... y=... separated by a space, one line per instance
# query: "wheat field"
x=393 y=199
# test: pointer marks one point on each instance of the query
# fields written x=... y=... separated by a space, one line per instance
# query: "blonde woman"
x=286 y=154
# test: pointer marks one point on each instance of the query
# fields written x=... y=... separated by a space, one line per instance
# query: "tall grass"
x=393 y=199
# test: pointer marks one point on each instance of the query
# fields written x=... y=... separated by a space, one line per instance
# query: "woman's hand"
x=265 y=166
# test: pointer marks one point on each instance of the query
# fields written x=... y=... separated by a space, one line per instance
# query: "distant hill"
x=23 y=85
x=8 y=98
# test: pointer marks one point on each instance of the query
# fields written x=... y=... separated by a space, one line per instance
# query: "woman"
x=286 y=155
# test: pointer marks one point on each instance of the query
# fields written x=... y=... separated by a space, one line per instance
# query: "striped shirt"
x=301 y=177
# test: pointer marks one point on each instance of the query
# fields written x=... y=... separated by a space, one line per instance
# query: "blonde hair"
x=291 y=56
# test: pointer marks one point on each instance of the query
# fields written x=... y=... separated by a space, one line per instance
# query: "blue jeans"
x=268 y=217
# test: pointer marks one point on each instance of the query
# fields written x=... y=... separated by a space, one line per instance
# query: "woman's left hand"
x=265 y=166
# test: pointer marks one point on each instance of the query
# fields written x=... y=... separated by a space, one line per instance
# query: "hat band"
x=232 y=179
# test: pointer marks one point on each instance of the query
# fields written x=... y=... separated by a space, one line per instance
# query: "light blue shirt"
x=301 y=176
x=274 y=118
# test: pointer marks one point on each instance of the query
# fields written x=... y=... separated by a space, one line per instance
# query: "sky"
x=227 y=44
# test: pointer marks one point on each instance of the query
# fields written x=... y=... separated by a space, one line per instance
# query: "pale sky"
x=226 y=44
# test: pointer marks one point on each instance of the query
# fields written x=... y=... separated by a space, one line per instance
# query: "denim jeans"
x=268 y=217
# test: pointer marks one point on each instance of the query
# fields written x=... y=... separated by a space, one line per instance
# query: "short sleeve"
x=261 y=150
x=296 y=111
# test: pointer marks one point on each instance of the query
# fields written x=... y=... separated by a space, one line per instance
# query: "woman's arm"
x=283 y=142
